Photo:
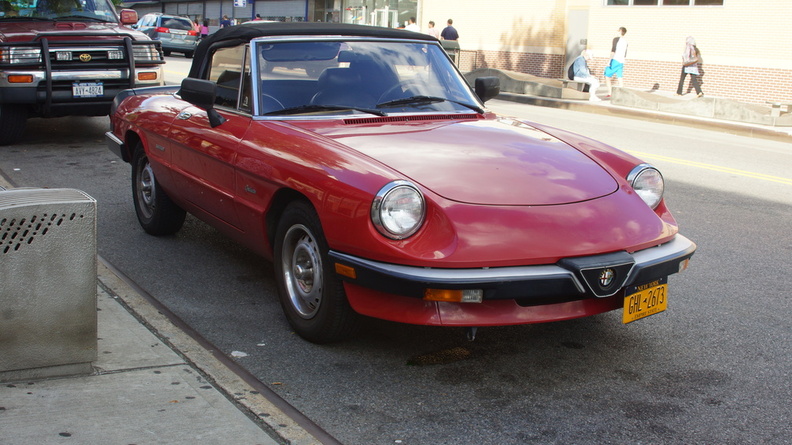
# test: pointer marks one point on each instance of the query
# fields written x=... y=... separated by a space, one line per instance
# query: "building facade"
x=744 y=43
x=387 y=13
x=746 y=53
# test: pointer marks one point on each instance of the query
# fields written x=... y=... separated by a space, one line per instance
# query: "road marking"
x=717 y=168
x=178 y=73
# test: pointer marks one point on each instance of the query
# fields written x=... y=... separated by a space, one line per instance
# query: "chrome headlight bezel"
x=648 y=183
x=398 y=210
x=20 y=55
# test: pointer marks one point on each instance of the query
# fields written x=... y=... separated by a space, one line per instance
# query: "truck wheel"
x=311 y=296
x=157 y=214
x=12 y=123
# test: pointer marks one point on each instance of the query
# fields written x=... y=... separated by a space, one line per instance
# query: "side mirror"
x=202 y=94
x=487 y=87
x=129 y=16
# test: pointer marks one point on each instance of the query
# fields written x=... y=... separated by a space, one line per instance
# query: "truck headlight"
x=20 y=55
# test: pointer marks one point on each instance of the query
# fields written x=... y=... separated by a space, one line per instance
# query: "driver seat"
x=342 y=86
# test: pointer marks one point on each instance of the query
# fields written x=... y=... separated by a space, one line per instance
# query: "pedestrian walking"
x=449 y=32
x=617 y=58
x=691 y=59
x=204 y=29
x=432 y=31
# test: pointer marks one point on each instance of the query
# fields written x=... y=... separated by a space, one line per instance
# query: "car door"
x=203 y=157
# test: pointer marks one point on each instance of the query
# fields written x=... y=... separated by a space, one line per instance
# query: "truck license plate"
x=645 y=300
x=87 y=89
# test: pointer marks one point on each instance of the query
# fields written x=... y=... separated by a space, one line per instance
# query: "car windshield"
x=90 y=10
x=359 y=76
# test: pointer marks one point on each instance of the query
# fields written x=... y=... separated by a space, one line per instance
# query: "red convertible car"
x=363 y=165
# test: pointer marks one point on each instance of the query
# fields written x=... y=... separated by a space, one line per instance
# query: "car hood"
x=68 y=30
x=492 y=162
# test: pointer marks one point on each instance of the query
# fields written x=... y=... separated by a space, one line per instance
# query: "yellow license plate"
x=645 y=300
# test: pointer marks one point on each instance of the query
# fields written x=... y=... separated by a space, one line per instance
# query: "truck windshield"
x=78 y=10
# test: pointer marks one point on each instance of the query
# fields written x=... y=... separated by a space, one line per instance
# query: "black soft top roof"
x=236 y=35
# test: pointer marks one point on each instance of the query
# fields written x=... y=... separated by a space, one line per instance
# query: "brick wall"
x=745 y=84
x=541 y=65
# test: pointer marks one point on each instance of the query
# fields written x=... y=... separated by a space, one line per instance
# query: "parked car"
x=176 y=33
x=87 y=60
x=382 y=187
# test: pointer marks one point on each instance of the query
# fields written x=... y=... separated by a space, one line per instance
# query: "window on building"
x=664 y=2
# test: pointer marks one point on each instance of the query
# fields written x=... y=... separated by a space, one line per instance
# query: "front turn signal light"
x=455 y=295
x=147 y=75
x=345 y=271
x=20 y=78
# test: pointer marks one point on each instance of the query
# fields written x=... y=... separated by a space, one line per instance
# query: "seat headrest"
x=338 y=77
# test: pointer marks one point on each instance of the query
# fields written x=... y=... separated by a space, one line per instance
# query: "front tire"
x=157 y=214
x=311 y=296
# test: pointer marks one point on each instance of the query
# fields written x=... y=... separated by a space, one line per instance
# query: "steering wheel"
x=269 y=103
x=398 y=91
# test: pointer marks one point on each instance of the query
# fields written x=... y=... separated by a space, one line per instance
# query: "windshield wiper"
x=424 y=100
x=313 y=108
x=79 y=18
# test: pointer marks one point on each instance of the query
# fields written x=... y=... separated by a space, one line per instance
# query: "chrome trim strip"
x=679 y=247
x=40 y=76
x=676 y=248
x=462 y=276
x=114 y=144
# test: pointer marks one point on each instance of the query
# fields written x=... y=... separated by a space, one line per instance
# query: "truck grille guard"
x=126 y=44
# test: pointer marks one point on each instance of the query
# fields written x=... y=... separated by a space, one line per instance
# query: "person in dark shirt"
x=449 y=32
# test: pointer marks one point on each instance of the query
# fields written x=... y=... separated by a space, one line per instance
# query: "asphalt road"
x=714 y=368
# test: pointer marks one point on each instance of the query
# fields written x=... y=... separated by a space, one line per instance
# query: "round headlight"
x=648 y=184
x=398 y=210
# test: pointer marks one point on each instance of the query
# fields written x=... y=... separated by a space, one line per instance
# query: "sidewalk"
x=152 y=383
x=708 y=112
x=782 y=134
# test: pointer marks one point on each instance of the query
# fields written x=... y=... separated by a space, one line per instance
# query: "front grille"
x=87 y=58
x=82 y=54
x=407 y=118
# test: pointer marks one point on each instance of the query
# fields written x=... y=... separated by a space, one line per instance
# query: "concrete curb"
x=258 y=407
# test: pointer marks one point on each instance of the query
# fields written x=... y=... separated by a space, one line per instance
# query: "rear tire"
x=12 y=123
x=311 y=295
x=157 y=214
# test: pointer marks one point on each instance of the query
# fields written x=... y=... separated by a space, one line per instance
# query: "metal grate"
x=15 y=234
x=408 y=118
